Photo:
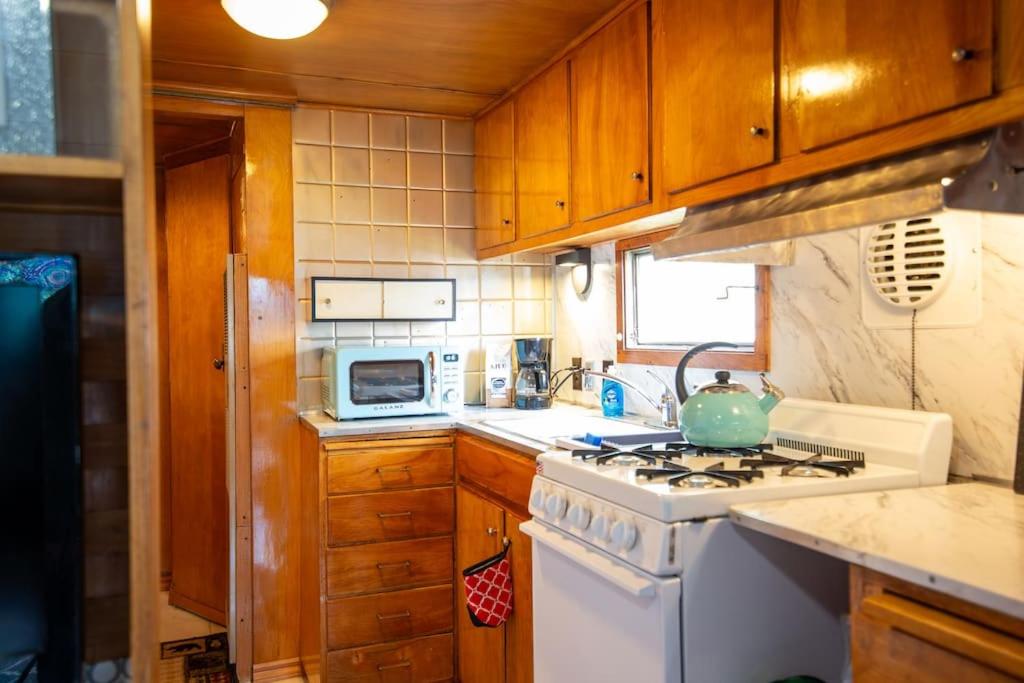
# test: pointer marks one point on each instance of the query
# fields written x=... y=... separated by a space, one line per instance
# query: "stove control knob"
x=579 y=515
x=624 y=534
x=555 y=505
x=537 y=499
x=600 y=527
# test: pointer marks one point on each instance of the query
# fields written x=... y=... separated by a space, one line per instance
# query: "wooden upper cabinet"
x=495 y=177
x=855 y=66
x=542 y=152
x=610 y=118
x=714 y=88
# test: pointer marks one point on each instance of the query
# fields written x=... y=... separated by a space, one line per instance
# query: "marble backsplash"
x=822 y=350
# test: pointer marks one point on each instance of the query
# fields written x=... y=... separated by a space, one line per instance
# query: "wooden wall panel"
x=275 y=426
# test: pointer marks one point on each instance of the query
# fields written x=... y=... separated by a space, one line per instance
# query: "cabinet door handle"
x=560 y=203
x=218 y=363
x=491 y=531
x=962 y=54
x=506 y=221
x=637 y=176
x=404 y=664
x=381 y=566
x=395 y=468
x=388 y=515
x=401 y=615
x=758 y=131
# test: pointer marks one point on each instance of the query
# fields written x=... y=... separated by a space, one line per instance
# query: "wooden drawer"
x=390 y=516
x=389 y=468
x=502 y=472
x=421 y=659
x=383 y=566
x=382 y=617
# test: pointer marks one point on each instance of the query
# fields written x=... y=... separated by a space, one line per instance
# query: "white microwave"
x=384 y=381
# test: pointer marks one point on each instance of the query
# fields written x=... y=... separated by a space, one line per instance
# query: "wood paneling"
x=388 y=566
x=495 y=177
x=856 y=66
x=496 y=471
x=198 y=236
x=435 y=57
x=713 y=88
x=275 y=461
x=611 y=118
x=373 y=470
x=542 y=153
x=388 y=516
x=421 y=659
x=367 y=619
x=519 y=630
x=1009 y=44
x=481 y=651
x=63 y=184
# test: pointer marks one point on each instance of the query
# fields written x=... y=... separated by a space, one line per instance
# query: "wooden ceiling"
x=437 y=56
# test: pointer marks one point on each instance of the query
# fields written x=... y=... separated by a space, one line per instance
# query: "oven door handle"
x=610 y=571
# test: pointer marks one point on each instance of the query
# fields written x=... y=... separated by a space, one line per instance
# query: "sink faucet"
x=666 y=406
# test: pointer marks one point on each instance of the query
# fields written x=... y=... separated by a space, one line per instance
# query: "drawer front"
x=374 y=470
x=383 y=617
x=389 y=516
x=421 y=659
x=504 y=473
x=383 y=566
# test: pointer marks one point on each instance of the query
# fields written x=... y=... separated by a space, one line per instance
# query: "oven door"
x=596 y=618
x=382 y=381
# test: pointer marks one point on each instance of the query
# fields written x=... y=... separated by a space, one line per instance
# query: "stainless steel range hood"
x=984 y=172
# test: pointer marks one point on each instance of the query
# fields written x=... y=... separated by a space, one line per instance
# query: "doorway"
x=198 y=159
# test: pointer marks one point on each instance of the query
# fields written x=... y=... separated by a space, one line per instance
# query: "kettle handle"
x=681 y=388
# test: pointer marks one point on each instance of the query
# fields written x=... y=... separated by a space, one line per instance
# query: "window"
x=666 y=307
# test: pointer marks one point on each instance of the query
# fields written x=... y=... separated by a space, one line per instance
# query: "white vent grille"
x=908 y=262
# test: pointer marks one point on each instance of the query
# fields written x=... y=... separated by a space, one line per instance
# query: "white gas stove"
x=641 y=517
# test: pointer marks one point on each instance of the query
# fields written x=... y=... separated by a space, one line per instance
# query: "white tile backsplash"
x=391 y=196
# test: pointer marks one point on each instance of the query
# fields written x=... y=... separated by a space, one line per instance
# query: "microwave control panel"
x=451 y=378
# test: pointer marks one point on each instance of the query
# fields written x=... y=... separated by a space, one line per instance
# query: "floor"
x=178 y=624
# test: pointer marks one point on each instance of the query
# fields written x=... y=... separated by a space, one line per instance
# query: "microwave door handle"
x=432 y=364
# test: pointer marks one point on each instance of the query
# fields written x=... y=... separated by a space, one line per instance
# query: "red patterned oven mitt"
x=488 y=585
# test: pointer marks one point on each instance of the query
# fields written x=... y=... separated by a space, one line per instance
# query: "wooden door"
x=854 y=66
x=479 y=529
x=519 y=630
x=542 y=153
x=495 y=177
x=198 y=241
x=714 y=88
x=610 y=118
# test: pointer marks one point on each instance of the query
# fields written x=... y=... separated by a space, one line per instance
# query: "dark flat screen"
x=386 y=381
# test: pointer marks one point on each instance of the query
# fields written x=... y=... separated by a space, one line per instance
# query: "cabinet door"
x=610 y=119
x=519 y=630
x=854 y=66
x=714 y=87
x=542 y=153
x=495 y=177
x=479 y=530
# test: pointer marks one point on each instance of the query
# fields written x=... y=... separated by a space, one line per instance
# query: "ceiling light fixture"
x=278 y=19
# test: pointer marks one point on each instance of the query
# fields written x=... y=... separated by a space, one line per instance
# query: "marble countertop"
x=471 y=419
x=966 y=540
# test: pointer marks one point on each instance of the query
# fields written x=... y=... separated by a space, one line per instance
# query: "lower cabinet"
x=491 y=502
x=902 y=632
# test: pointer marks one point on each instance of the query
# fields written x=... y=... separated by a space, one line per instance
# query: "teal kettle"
x=723 y=414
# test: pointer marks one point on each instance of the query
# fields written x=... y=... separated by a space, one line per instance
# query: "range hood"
x=984 y=172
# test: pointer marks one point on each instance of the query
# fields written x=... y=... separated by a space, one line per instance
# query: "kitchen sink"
x=561 y=428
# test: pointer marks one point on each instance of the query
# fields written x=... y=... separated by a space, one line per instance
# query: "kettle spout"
x=772 y=395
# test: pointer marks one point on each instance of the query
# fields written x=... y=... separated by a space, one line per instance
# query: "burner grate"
x=713 y=475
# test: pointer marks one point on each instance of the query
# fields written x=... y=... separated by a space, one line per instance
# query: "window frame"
x=757 y=360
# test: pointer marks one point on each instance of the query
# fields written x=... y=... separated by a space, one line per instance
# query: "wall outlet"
x=577 y=377
x=589 y=382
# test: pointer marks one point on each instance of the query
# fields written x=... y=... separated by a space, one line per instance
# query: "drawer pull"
x=381 y=566
x=397 y=468
x=405 y=664
x=491 y=531
x=387 y=617
x=388 y=515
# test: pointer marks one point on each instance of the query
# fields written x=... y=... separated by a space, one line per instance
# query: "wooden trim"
x=278 y=670
x=564 y=53
x=415 y=439
x=214 y=614
x=234 y=94
x=382 y=110
x=759 y=360
x=197 y=107
x=205 y=150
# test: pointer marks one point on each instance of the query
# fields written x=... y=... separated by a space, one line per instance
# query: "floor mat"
x=203 y=659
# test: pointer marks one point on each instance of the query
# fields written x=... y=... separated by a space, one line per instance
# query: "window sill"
x=715 y=360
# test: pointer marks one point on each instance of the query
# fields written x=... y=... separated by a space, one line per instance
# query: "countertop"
x=470 y=420
x=966 y=540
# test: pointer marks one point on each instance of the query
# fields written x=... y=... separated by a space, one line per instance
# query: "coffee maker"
x=532 y=389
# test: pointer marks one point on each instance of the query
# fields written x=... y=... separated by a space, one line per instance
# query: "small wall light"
x=582 y=269
x=278 y=19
